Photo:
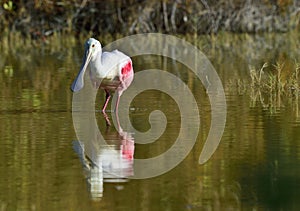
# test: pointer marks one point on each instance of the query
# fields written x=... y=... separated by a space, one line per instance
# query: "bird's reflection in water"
x=111 y=162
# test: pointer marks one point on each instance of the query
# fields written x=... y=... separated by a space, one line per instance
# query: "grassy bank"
x=39 y=19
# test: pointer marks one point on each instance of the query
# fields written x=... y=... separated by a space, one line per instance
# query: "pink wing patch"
x=126 y=69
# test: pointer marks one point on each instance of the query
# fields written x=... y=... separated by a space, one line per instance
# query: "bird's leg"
x=117 y=103
x=106 y=119
x=107 y=97
x=118 y=122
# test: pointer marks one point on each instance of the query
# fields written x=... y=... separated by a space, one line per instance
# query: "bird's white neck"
x=97 y=56
x=96 y=65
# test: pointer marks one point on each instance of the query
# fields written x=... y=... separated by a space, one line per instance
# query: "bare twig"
x=165 y=14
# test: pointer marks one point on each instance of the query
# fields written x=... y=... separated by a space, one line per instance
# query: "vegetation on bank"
x=43 y=18
x=269 y=88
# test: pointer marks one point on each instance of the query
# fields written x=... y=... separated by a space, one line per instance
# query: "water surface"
x=41 y=168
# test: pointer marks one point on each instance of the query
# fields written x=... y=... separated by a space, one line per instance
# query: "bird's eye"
x=93 y=45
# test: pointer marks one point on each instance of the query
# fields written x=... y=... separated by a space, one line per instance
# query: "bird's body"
x=111 y=71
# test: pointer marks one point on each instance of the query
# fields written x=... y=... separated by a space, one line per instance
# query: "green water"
x=255 y=167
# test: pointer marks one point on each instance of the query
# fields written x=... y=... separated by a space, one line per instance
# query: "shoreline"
x=39 y=20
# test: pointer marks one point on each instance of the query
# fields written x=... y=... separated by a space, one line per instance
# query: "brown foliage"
x=42 y=18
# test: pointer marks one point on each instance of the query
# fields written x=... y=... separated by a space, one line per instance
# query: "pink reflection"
x=106 y=163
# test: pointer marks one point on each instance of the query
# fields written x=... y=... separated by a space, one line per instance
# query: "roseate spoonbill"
x=112 y=71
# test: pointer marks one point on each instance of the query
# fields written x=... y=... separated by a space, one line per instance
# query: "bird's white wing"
x=112 y=63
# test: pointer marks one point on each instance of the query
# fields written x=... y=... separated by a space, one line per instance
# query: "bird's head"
x=91 y=49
